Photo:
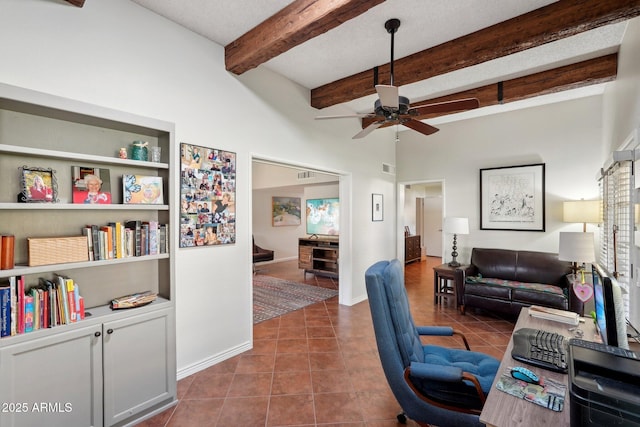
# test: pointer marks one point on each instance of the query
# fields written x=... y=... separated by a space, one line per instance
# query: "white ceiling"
x=363 y=43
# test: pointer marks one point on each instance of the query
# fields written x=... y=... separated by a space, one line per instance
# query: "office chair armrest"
x=442 y=331
x=442 y=373
x=426 y=371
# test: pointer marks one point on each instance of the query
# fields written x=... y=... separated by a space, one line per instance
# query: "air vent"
x=306 y=175
x=387 y=168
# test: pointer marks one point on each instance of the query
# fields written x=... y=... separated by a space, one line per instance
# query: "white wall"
x=567 y=137
x=118 y=55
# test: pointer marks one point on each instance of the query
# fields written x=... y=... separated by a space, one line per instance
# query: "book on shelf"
x=87 y=232
x=5 y=309
x=136 y=227
x=28 y=313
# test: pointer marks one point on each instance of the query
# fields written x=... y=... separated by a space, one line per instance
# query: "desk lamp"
x=455 y=226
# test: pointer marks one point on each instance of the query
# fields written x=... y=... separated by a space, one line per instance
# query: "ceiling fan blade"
x=421 y=127
x=388 y=95
x=366 y=131
x=347 y=116
x=446 y=107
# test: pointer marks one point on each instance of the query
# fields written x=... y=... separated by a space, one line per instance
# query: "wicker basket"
x=57 y=250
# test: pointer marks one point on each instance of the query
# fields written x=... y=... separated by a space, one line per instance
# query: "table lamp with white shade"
x=455 y=226
x=584 y=211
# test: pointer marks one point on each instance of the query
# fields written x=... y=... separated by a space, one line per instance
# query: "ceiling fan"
x=391 y=108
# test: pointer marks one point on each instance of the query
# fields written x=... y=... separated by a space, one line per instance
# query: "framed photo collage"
x=207 y=196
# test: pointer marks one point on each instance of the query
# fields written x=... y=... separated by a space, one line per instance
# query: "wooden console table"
x=319 y=256
x=502 y=409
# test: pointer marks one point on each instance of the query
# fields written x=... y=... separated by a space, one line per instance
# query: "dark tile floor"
x=319 y=366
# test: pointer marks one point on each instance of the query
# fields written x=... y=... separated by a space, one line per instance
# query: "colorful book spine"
x=71 y=300
x=5 y=310
x=14 y=305
x=28 y=313
x=20 y=300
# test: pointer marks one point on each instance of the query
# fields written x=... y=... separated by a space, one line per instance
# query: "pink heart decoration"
x=583 y=291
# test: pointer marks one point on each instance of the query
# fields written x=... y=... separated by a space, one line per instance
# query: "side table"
x=442 y=275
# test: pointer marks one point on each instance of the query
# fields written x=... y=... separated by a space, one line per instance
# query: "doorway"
x=279 y=178
x=423 y=213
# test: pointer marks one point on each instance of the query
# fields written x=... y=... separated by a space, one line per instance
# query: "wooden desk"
x=502 y=409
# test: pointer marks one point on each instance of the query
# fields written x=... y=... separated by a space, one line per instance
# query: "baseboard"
x=210 y=361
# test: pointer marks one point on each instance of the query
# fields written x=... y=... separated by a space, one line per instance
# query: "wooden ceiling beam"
x=550 y=23
x=78 y=3
x=593 y=71
x=297 y=23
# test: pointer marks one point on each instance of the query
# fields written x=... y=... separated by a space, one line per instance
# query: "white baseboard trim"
x=210 y=361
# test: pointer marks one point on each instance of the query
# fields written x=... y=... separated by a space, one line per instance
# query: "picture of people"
x=207 y=196
x=38 y=185
x=91 y=185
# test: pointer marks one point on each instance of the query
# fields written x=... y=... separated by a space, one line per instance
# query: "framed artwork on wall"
x=377 y=207
x=207 y=196
x=285 y=211
x=513 y=198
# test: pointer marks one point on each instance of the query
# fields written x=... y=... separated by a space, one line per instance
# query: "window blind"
x=616 y=233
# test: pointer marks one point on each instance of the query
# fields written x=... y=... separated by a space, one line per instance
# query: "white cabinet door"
x=53 y=381
x=139 y=366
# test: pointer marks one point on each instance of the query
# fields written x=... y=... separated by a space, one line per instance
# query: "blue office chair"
x=433 y=384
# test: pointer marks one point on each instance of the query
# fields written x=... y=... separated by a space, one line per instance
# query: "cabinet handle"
x=97 y=334
x=109 y=331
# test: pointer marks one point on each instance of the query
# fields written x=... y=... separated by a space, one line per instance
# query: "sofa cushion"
x=538 y=287
x=536 y=297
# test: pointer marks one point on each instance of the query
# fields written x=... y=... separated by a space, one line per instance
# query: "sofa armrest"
x=460 y=275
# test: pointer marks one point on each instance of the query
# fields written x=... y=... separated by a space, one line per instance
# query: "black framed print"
x=513 y=198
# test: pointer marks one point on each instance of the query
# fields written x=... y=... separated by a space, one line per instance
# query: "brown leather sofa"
x=502 y=280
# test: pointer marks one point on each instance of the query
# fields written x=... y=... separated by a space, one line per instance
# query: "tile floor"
x=319 y=366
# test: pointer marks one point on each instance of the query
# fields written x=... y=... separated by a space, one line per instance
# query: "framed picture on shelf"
x=512 y=198
x=285 y=211
x=207 y=196
x=377 y=207
x=142 y=190
x=91 y=185
x=38 y=185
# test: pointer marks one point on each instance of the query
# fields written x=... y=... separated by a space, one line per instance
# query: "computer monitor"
x=609 y=308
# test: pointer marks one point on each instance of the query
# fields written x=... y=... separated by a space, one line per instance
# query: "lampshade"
x=581 y=211
x=453 y=225
x=576 y=247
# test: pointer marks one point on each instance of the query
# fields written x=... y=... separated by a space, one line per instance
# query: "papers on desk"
x=568 y=317
x=549 y=394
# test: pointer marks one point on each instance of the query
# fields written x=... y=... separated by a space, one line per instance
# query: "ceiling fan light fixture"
x=391 y=108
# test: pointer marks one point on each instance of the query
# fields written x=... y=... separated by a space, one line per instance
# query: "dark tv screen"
x=323 y=216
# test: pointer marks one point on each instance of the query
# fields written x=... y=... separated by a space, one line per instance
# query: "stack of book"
x=126 y=239
x=133 y=300
x=49 y=304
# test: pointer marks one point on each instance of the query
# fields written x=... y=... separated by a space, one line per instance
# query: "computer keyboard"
x=547 y=350
x=598 y=346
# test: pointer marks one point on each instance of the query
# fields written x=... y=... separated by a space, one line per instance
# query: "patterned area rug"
x=274 y=297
